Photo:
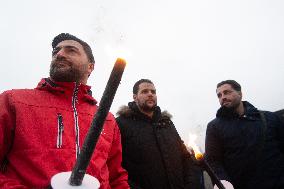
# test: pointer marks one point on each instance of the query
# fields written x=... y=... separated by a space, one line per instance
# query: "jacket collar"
x=67 y=88
x=250 y=111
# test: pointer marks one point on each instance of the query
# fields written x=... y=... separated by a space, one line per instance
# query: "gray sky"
x=184 y=46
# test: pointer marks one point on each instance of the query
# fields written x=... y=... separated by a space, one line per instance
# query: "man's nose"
x=150 y=93
x=60 y=53
x=223 y=98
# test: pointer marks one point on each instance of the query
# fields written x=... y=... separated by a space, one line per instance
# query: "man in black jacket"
x=243 y=145
x=153 y=153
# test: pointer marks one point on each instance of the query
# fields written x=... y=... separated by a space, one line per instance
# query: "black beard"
x=70 y=75
x=228 y=111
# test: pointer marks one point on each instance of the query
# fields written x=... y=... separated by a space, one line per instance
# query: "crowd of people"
x=42 y=131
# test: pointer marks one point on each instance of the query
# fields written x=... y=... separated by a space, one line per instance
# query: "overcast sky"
x=184 y=46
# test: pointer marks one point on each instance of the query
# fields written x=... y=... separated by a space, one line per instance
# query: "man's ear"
x=135 y=97
x=241 y=94
x=90 y=68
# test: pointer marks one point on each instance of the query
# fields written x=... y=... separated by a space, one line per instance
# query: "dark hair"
x=66 y=36
x=136 y=85
x=235 y=85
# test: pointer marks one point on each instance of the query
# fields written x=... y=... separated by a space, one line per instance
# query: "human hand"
x=226 y=184
x=190 y=150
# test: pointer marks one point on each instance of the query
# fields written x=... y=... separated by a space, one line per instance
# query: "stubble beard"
x=63 y=74
x=233 y=107
x=144 y=107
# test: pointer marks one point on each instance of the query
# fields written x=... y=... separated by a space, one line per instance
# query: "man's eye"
x=54 y=52
x=227 y=92
x=71 y=50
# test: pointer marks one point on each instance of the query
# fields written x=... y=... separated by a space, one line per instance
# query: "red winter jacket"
x=42 y=129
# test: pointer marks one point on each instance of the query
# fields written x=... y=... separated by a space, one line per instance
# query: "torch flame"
x=120 y=61
x=193 y=145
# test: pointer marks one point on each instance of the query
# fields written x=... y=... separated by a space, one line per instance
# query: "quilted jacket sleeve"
x=192 y=172
x=118 y=176
x=214 y=152
x=7 y=123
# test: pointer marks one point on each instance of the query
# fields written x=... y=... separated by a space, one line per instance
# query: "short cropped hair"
x=136 y=85
x=66 y=36
x=235 y=85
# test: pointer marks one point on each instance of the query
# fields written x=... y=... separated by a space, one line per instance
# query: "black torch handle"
x=94 y=131
x=212 y=175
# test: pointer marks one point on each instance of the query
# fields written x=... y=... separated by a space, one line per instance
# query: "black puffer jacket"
x=239 y=152
x=153 y=153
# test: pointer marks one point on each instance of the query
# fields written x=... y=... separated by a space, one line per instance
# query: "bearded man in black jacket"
x=153 y=153
x=243 y=145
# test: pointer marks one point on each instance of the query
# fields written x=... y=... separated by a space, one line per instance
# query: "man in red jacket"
x=43 y=129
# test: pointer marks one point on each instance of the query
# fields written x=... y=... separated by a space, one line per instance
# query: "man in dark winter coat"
x=153 y=153
x=243 y=145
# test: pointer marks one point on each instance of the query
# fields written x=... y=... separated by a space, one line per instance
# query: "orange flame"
x=120 y=61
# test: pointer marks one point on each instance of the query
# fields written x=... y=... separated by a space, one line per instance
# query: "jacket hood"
x=66 y=87
x=230 y=113
x=132 y=110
